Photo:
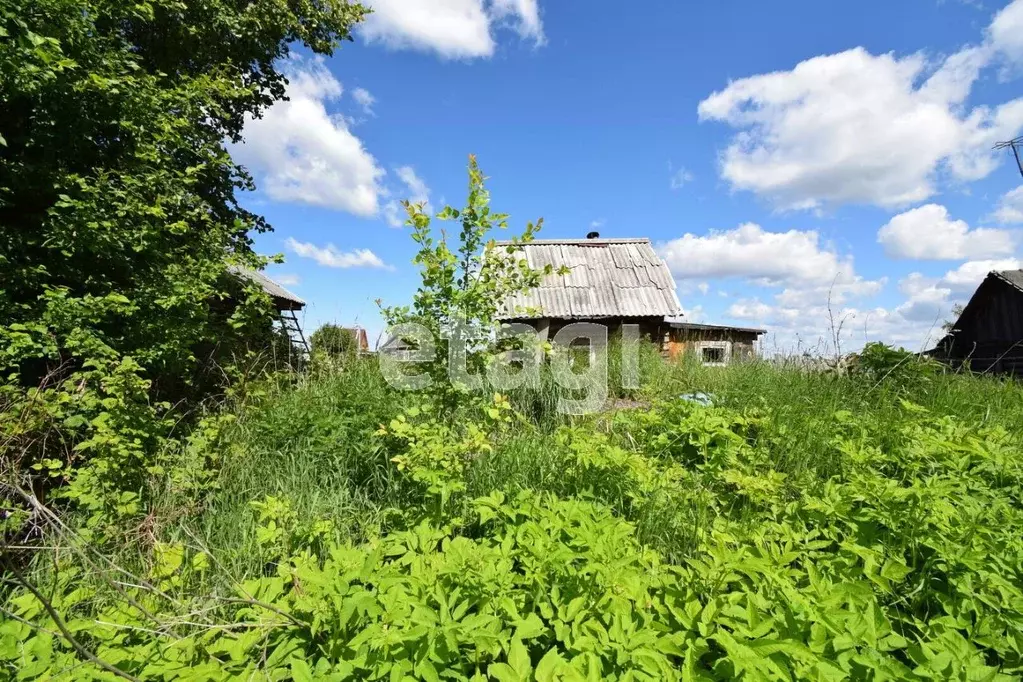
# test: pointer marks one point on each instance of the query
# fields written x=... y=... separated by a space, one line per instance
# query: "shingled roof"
x=608 y=278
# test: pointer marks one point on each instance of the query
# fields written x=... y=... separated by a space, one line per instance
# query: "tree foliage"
x=465 y=287
x=335 y=341
x=119 y=213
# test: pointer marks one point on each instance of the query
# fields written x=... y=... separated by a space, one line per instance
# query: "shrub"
x=335 y=342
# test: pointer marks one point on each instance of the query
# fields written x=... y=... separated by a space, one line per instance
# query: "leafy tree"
x=118 y=208
x=957 y=311
x=334 y=341
x=465 y=287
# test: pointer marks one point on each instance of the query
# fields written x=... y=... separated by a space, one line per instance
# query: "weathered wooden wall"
x=742 y=344
x=991 y=339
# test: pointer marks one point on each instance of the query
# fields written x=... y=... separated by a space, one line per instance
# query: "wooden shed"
x=988 y=336
x=285 y=302
x=711 y=344
x=611 y=282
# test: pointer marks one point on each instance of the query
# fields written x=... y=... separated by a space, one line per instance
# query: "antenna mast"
x=1014 y=145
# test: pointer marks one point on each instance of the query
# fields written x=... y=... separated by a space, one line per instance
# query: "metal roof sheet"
x=608 y=278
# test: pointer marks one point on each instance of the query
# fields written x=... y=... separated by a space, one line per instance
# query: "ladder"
x=289 y=323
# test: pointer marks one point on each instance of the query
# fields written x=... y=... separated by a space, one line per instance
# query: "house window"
x=714 y=353
x=713 y=356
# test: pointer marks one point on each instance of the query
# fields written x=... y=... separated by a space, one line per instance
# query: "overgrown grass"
x=314 y=443
x=806 y=525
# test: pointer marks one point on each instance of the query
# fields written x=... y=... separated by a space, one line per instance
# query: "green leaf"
x=549 y=665
x=300 y=670
x=529 y=627
x=504 y=673
x=518 y=659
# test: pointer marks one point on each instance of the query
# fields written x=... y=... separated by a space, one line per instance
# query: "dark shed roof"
x=693 y=326
x=283 y=299
x=1013 y=277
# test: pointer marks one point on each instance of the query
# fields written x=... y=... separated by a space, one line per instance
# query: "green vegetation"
x=175 y=510
x=335 y=342
x=806 y=526
x=119 y=223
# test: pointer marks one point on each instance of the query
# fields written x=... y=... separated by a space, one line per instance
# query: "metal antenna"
x=1014 y=145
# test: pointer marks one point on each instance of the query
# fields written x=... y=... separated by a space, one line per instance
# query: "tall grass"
x=312 y=442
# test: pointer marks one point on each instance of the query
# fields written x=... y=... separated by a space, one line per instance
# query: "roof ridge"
x=1005 y=276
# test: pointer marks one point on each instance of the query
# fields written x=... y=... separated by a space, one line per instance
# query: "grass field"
x=804 y=526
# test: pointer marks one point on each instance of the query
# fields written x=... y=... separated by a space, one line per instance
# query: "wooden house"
x=610 y=282
x=988 y=336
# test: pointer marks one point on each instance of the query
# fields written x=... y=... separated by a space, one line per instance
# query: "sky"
x=802 y=166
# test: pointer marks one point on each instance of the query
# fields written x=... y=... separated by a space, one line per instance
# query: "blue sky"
x=775 y=153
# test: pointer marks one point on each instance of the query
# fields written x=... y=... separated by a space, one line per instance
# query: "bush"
x=335 y=342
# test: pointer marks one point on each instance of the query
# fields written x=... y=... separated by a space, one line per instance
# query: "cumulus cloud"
x=803 y=276
x=1010 y=207
x=964 y=279
x=1006 y=31
x=331 y=257
x=298 y=152
x=287 y=280
x=928 y=233
x=930 y=298
x=453 y=29
x=855 y=127
x=915 y=322
x=415 y=191
x=750 y=252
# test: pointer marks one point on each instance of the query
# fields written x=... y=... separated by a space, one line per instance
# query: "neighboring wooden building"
x=361 y=339
x=711 y=344
x=611 y=282
x=988 y=336
x=286 y=303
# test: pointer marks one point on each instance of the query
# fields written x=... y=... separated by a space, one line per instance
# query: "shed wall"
x=742 y=345
x=992 y=339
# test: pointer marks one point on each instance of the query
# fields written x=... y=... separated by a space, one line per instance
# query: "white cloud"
x=749 y=310
x=364 y=99
x=415 y=191
x=855 y=127
x=695 y=314
x=597 y=224
x=452 y=28
x=932 y=298
x=298 y=152
x=1010 y=207
x=802 y=276
x=750 y=252
x=524 y=16
x=814 y=328
x=928 y=233
x=287 y=280
x=1006 y=31
x=964 y=279
x=330 y=256
x=704 y=287
x=679 y=178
